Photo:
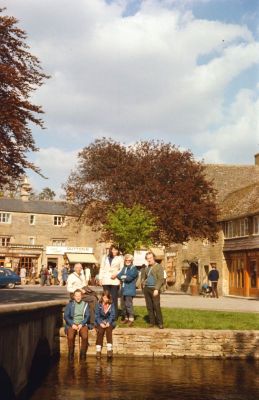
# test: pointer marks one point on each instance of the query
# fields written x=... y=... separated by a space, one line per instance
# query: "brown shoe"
x=125 y=321
x=131 y=323
x=98 y=355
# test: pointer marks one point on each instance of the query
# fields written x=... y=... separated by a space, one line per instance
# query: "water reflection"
x=136 y=378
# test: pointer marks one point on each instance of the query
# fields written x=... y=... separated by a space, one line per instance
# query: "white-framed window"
x=32 y=240
x=58 y=242
x=5 y=218
x=236 y=228
x=58 y=220
x=32 y=219
x=256 y=225
x=5 y=241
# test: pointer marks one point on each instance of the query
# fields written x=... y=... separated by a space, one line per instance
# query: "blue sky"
x=182 y=71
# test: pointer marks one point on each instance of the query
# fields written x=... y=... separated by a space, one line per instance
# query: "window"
x=58 y=242
x=58 y=220
x=32 y=240
x=256 y=225
x=5 y=241
x=5 y=218
x=237 y=228
x=32 y=219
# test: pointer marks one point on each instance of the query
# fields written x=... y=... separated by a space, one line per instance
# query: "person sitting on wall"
x=77 y=317
x=214 y=277
x=105 y=317
x=75 y=281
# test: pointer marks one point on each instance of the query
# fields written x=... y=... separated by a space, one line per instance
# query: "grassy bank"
x=178 y=318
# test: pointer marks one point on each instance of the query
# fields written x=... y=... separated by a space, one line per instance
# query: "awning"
x=81 y=258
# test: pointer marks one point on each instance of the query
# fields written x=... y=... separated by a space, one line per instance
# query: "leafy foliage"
x=157 y=175
x=46 y=194
x=130 y=228
x=20 y=75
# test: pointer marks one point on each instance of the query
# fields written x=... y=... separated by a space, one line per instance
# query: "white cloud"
x=139 y=76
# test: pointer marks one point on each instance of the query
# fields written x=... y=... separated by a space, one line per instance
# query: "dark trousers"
x=128 y=311
x=153 y=306
x=71 y=335
x=214 y=286
x=114 y=291
x=100 y=335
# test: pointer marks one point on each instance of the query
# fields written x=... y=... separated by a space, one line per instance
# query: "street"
x=28 y=294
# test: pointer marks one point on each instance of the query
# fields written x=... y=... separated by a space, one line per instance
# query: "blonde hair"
x=128 y=257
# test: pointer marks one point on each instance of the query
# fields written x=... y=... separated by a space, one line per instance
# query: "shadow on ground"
x=17 y=295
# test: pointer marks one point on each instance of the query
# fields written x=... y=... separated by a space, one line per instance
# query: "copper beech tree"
x=20 y=75
x=157 y=175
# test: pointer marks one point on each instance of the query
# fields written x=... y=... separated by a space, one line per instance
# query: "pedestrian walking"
x=87 y=273
x=214 y=277
x=64 y=275
x=104 y=323
x=128 y=276
x=110 y=266
x=23 y=275
x=55 y=275
x=77 y=318
x=152 y=284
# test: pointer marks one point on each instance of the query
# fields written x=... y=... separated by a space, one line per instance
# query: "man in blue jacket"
x=77 y=317
x=214 y=277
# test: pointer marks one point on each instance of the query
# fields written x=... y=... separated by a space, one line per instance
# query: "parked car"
x=8 y=278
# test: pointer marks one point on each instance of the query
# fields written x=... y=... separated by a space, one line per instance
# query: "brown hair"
x=149 y=253
x=108 y=295
x=77 y=291
x=113 y=246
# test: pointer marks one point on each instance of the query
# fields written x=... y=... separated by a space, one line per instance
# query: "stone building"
x=41 y=232
x=236 y=253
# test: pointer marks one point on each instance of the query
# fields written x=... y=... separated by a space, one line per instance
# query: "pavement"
x=31 y=293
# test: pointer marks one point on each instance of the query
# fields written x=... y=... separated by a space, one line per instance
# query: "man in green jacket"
x=152 y=282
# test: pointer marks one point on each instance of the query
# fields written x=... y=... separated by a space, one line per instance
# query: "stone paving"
x=169 y=299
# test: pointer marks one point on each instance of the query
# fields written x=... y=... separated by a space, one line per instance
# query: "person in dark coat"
x=105 y=317
x=128 y=276
x=214 y=277
x=77 y=318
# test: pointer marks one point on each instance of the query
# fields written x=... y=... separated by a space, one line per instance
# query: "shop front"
x=17 y=256
x=243 y=270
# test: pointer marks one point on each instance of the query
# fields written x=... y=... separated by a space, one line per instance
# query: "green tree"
x=46 y=194
x=130 y=228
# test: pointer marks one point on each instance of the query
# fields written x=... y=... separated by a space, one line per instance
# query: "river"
x=144 y=378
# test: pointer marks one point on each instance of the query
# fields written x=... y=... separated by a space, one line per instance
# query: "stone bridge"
x=28 y=340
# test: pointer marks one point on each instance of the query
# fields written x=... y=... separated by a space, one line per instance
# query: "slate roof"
x=229 y=178
x=38 y=207
x=241 y=203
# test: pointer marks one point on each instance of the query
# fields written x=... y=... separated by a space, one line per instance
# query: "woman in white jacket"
x=111 y=265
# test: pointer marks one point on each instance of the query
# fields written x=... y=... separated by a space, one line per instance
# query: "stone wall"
x=178 y=343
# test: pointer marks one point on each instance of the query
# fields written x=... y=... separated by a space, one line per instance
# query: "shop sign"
x=68 y=249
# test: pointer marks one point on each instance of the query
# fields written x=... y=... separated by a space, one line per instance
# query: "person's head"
x=77 y=295
x=150 y=257
x=128 y=259
x=114 y=250
x=78 y=268
x=106 y=297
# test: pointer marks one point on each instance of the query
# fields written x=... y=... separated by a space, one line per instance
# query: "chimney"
x=25 y=189
x=257 y=159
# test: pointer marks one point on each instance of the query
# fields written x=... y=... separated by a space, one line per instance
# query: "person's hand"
x=103 y=325
x=114 y=276
x=83 y=290
x=100 y=282
x=155 y=293
x=74 y=326
x=79 y=327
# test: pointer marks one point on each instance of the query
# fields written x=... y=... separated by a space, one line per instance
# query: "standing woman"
x=110 y=266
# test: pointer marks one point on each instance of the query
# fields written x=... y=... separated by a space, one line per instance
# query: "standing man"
x=23 y=275
x=152 y=282
x=75 y=281
x=214 y=277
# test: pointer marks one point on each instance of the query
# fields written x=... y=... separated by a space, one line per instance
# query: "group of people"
x=85 y=311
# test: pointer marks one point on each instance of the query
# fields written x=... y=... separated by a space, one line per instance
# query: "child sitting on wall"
x=77 y=317
x=104 y=323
